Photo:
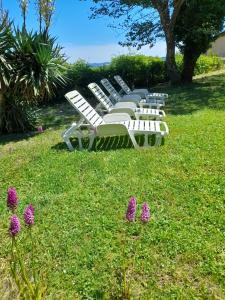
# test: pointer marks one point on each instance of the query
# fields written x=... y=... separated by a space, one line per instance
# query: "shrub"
x=79 y=75
x=136 y=70
x=207 y=64
x=204 y=64
x=17 y=115
x=139 y=70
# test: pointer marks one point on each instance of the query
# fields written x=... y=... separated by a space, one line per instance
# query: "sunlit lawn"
x=82 y=240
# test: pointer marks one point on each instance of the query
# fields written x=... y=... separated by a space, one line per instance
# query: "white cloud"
x=104 y=53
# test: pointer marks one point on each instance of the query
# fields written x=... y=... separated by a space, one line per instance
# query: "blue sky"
x=81 y=37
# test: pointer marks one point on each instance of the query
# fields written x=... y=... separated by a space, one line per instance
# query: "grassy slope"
x=80 y=199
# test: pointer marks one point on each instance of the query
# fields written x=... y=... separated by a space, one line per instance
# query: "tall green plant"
x=38 y=62
x=32 y=72
x=46 y=9
x=24 y=9
x=6 y=40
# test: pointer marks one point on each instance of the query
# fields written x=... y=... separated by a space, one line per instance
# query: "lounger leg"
x=68 y=143
x=80 y=142
x=158 y=140
x=146 y=143
x=91 y=141
x=132 y=137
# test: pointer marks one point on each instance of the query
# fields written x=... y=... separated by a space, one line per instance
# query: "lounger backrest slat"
x=111 y=90
x=84 y=108
x=101 y=96
x=122 y=84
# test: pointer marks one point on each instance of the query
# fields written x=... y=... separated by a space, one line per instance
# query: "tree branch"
x=177 y=7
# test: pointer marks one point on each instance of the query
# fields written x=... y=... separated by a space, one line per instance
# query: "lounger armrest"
x=166 y=128
x=116 y=117
x=163 y=112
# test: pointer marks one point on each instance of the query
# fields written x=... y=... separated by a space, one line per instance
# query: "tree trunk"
x=188 y=67
x=172 y=70
x=168 y=23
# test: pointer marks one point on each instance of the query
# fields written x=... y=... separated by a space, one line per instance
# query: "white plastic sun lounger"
x=144 y=93
x=118 y=98
x=125 y=107
x=110 y=125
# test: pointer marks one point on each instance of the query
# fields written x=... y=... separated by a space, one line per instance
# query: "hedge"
x=136 y=70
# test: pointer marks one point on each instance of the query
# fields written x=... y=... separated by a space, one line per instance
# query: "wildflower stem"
x=23 y=273
x=32 y=255
x=13 y=265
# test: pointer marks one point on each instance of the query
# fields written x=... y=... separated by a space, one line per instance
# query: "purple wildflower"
x=14 y=228
x=40 y=129
x=29 y=215
x=131 y=210
x=145 y=215
x=12 y=198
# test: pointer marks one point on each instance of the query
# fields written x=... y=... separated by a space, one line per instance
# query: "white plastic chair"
x=127 y=98
x=110 y=125
x=144 y=93
x=126 y=107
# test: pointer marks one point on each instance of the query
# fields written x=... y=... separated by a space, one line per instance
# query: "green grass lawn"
x=80 y=199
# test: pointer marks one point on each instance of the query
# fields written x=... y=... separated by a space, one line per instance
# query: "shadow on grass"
x=208 y=92
x=106 y=144
x=16 y=137
x=51 y=117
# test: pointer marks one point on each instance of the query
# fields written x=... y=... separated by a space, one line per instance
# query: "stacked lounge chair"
x=110 y=125
x=142 y=102
x=126 y=107
x=144 y=93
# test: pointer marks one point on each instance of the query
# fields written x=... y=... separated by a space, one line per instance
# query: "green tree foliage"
x=199 y=23
x=145 y=22
x=192 y=25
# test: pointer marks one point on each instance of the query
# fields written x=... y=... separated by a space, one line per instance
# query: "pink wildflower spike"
x=131 y=210
x=29 y=215
x=40 y=129
x=30 y=206
x=12 y=198
x=145 y=215
x=14 y=227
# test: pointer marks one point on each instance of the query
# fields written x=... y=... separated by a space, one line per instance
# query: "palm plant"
x=6 y=39
x=38 y=66
x=35 y=68
x=24 y=8
x=46 y=10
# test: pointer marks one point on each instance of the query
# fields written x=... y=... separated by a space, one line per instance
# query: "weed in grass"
x=29 y=286
x=131 y=239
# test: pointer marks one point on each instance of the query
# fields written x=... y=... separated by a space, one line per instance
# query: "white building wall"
x=218 y=47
